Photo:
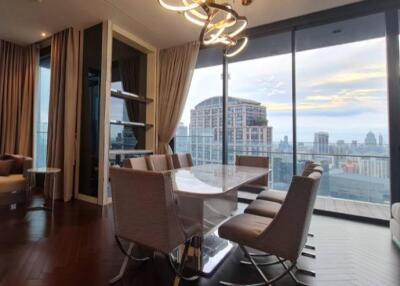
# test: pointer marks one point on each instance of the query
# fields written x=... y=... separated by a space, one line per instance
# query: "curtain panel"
x=176 y=66
x=18 y=66
x=61 y=140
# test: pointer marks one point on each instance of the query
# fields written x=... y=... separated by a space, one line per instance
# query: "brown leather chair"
x=255 y=161
x=139 y=163
x=159 y=163
x=150 y=219
x=279 y=196
x=283 y=236
x=182 y=160
x=269 y=208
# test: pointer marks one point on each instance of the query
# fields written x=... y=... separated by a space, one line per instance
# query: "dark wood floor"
x=75 y=247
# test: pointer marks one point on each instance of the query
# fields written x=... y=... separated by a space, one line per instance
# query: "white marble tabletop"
x=214 y=179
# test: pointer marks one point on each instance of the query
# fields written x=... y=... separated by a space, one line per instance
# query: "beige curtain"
x=25 y=139
x=175 y=74
x=17 y=79
x=63 y=109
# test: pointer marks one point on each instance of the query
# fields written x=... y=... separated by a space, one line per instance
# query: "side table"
x=51 y=173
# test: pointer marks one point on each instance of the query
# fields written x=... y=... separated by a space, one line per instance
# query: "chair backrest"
x=148 y=218
x=255 y=161
x=139 y=163
x=309 y=167
x=287 y=233
x=159 y=163
x=182 y=160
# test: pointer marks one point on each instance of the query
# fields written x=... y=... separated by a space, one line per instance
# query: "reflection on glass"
x=260 y=106
x=200 y=130
x=42 y=111
x=342 y=107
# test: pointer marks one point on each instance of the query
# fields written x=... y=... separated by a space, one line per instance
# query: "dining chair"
x=139 y=163
x=159 y=163
x=255 y=161
x=279 y=196
x=270 y=208
x=151 y=219
x=283 y=236
x=182 y=160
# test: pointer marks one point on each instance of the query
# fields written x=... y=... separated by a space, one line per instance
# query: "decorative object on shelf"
x=220 y=23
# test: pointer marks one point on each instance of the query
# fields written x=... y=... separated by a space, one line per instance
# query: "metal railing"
x=361 y=177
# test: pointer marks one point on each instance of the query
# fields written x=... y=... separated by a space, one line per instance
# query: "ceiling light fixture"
x=220 y=23
x=43 y=34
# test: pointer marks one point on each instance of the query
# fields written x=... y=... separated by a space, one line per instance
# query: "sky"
x=340 y=89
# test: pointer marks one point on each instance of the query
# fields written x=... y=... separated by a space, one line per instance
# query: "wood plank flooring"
x=75 y=246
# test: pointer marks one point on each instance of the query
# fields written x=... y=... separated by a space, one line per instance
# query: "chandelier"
x=220 y=23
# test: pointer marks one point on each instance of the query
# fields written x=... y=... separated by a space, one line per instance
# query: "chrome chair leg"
x=289 y=269
x=179 y=271
x=245 y=262
x=265 y=281
x=128 y=255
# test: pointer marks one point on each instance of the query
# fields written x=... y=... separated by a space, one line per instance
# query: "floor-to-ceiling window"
x=42 y=109
x=200 y=128
x=341 y=114
x=342 y=117
x=259 y=114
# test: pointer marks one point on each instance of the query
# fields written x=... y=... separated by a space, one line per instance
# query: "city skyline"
x=332 y=96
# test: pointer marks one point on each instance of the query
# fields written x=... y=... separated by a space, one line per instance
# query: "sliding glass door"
x=318 y=93
x=259 y=114
x=342 y=116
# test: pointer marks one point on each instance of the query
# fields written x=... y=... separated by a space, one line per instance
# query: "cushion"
x=18 y=166
x=396 y=211
x=5 y=167
x=273 y=196
x=12 y=183
x=263 y=208
x=244 y=228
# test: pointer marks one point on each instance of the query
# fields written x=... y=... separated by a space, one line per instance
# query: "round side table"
x=51 y=173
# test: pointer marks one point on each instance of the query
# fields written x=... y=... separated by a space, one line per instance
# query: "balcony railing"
x=360 y=177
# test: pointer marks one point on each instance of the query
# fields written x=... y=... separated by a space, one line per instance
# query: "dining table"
x=209 y=194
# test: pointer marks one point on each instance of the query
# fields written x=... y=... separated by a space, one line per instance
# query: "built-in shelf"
x=128 y=123
x=128 y=152
x=130 y=96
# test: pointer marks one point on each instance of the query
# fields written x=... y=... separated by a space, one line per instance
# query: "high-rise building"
x=248 y=130
x=321 y=142
x=370 y=139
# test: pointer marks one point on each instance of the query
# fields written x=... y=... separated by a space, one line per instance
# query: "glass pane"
x=342 y=107
x=260 y=106
x=42 y=111
x=200 y=130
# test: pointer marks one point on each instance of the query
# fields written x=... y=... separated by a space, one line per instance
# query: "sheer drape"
x=175 y=74
x=62 y=128
x=17 y=79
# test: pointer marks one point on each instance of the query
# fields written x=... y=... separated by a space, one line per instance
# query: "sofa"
x=395 y=223
x=13 y=186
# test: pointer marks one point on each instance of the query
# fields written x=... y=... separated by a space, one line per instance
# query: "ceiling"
x=23 y=21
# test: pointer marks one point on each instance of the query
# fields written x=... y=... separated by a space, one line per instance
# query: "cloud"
x=346 y=102
x=368 y=73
